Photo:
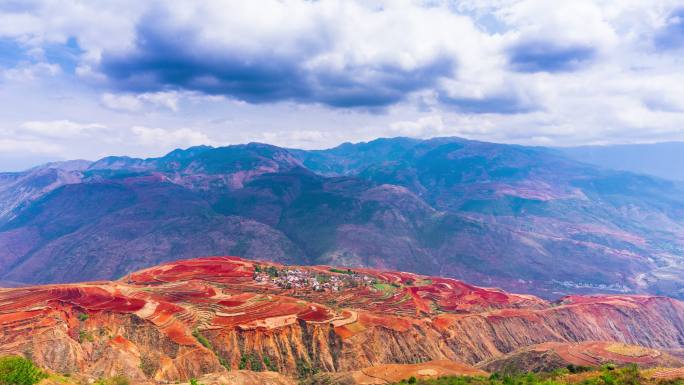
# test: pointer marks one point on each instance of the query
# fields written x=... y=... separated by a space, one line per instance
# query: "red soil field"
x=221 y=295
x=224 y=292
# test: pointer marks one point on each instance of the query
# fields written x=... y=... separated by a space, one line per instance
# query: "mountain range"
x=527 y=219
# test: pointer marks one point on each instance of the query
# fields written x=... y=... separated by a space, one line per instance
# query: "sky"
x=87 y=79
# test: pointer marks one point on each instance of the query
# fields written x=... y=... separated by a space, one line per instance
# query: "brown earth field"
x=551 y=355
x=229 y=320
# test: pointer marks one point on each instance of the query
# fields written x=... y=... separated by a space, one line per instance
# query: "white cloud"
x=426 y=126
x=125 y=102
x=168 y=139
x=138 y=102
x=30 y=71
x=19 y=25
x=578 y=21
x=59 y=128
x=167 y=100
x=627 y=91
x=22 y=146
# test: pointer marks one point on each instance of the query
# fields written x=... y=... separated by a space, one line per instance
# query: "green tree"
x=202 y=339
x=15 y=370
x=305 y=369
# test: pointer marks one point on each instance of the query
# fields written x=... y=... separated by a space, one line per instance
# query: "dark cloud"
x=497 y=104
x=168 y=57
x=540 y=56
x=175 y=59
x=377 y=86
x=672 y=35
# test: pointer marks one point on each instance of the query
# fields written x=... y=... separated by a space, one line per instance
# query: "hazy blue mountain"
x=665 y=160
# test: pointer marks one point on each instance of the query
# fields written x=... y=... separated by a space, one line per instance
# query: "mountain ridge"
x=493 y=214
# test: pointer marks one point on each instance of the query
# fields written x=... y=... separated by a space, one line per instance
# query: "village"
x=300 y=279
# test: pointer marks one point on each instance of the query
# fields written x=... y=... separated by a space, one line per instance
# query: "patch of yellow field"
x=630 y=350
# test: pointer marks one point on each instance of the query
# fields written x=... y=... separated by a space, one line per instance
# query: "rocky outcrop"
x=187 y=319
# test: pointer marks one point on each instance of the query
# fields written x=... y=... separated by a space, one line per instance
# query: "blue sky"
x=83 y=79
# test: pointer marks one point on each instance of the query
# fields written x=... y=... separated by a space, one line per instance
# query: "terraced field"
x=201 y=316
x=229 y=289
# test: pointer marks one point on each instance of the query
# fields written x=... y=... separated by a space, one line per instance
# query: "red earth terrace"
x=189 y=318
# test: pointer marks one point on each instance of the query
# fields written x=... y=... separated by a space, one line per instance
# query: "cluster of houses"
x=310 y=280
x=600 y=286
